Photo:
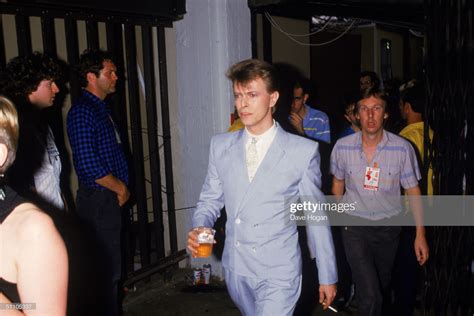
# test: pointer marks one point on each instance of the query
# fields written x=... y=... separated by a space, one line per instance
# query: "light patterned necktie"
x=252 y=158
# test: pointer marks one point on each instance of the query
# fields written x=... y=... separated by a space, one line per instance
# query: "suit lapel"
x=238 y=166
x=274 y=154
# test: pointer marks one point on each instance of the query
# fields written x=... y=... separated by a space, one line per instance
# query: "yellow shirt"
x=237 y=125
x=414 y=133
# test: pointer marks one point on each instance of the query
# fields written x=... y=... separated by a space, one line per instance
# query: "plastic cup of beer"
x=205 y=240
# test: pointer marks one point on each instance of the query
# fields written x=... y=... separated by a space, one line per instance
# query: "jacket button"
x=237 y=221
x=237 y=243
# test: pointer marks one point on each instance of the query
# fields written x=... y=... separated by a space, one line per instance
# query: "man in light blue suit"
x=256 y=173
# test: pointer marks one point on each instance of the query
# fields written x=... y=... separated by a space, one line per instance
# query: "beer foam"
x=205 y=237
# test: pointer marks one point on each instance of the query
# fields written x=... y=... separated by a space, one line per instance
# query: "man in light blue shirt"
x=369 y=167
x=307 y=121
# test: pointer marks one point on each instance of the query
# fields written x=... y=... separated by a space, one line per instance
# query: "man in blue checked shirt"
x=100 y=166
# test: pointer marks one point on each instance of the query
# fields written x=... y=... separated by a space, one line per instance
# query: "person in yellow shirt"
x=412 y=101
x=406 y=269
x=236 y=126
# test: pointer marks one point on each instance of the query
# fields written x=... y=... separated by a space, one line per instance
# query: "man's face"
x=403 y=109
x=371 y=114
x=107 y=78
x=254 y=105
x=349 y=114
x=43 y=96
x=299 y=100
x=365 y=82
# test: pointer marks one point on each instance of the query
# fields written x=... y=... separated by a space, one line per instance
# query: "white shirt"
x=263 y=142
x=47 y=177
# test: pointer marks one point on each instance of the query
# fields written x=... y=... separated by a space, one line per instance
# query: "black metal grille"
x=449 y=282
x=121 y=41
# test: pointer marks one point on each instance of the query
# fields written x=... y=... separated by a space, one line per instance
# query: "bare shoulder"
x=29 y=221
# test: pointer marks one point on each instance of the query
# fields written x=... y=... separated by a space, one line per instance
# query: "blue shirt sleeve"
x=337 y=167
x=316 y=125
x=410 y=173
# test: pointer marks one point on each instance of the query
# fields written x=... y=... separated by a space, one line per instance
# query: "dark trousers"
x=309 y=282
x=101 y=216
x=344 y=275
x=371 y=252
x=405 y=274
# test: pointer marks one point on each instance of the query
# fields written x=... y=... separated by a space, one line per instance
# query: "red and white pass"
x=371 y=178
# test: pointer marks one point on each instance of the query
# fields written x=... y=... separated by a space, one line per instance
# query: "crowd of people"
x=254 y=171
x=264 y=272
x=35 y=267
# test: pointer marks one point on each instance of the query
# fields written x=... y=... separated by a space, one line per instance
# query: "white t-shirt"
x=47 y=177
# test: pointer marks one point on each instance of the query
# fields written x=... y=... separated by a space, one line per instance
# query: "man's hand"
x=327 y=293
x=193 y=242
x=421 y=246
x=421 y=249
x=123 y=195
x=297 y=122
x=116 y=185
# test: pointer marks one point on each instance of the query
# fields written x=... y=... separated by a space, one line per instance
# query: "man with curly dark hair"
x=30 y=82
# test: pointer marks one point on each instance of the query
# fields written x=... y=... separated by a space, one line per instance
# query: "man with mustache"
x=100 y=166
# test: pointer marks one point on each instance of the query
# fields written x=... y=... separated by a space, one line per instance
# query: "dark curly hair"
x=22 y=75
x=91 y=60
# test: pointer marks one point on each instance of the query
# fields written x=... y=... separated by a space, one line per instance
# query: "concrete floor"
x=178 y=298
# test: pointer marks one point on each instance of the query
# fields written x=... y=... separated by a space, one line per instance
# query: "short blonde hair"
x=371 y=92
x=9 y=131
x=252 y=69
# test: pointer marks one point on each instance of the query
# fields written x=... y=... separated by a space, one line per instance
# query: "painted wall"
x=259 y=31
x=367 y=60
x=371 y=36
x=397 y=51
x=288 y=51
x=212 y=36
x=416 y=55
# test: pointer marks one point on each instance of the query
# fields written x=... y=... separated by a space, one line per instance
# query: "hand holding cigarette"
x=327 y=293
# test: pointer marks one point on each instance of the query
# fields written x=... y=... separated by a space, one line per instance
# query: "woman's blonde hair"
x=9 y=131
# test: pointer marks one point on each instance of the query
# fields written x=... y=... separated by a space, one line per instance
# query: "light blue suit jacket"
x=261 y=241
